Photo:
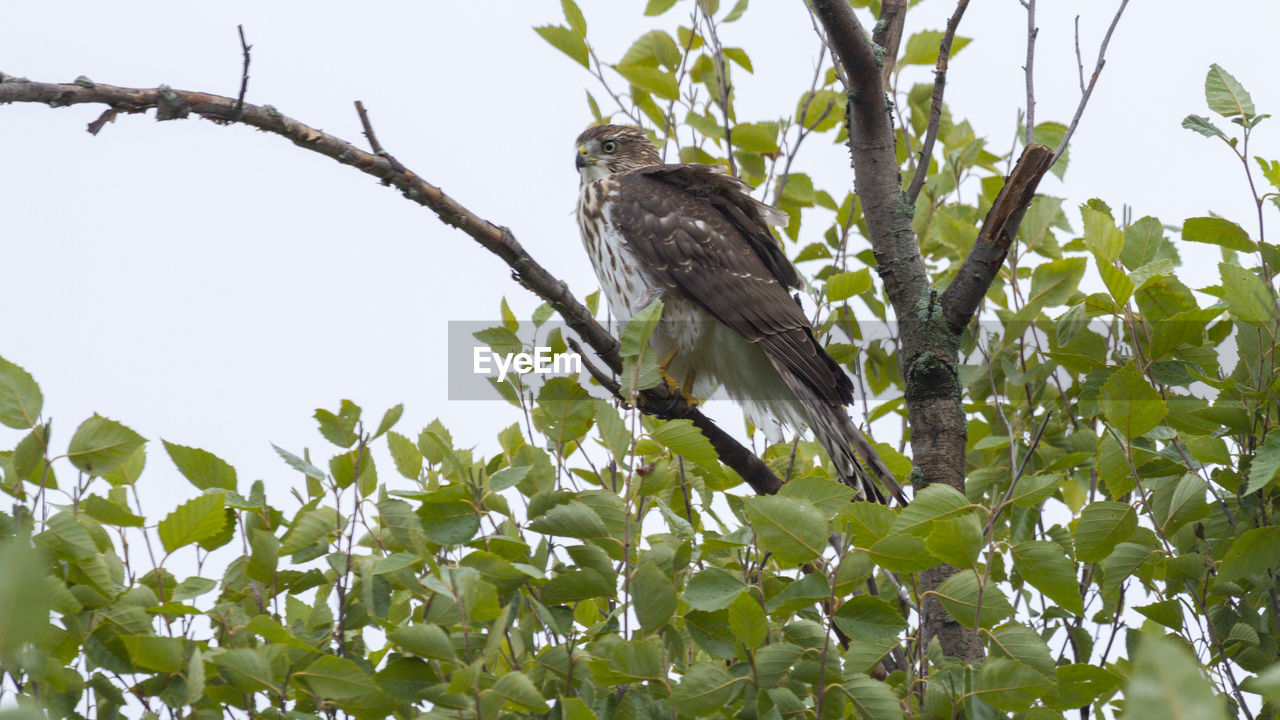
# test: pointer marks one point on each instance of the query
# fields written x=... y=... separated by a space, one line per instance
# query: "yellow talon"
x=674 y=387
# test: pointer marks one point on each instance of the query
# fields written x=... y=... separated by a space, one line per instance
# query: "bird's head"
x=607 y=149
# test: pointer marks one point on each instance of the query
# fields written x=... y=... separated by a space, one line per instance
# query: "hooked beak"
x=581 y=160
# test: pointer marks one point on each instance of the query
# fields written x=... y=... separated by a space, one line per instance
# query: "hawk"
x=696 y=239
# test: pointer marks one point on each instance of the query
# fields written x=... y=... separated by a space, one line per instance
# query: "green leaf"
x=24 y=613
x=872 y=699
x=901 y=553
x=247 y=669
x=1218 y=231
x=959 y=595
x=1010 y=686
x=642 y=370
x=199 y=518
x=573 y=16
x=759 y=137
x=390 y=417
x=571 y=519
x=1225 y=95
x=1081 y=684
x=1129 y=402
x=869 y=619
x=1166 y=682
x=827 y=495
x=650 y=79
x=1246 y=294
x=1203 y=126
x=448 y=519
x=1101 y=526
x=204 y=469
x=1252 y=554
x=99 y=445
x=842 y=286
x=338 y=679
x=712 y=588
x=1047 y=568
x=957 y=542
x=405 y=453
x=705 y=688
x=739 y=56
x=517 y=689
x=1167 y=613
x=683 y=438
x=162 y=654
x=425 y=640
x=657 y=7
x=1117 y=281
x=794 y=530
x=308 y=528
x=747 y=620
x=566 y=41
x=613 y=431
x=1023 y=645
x=1266 y=465
x=340 y=429
x=735 y=12
x=922 y=47
x=300 y=465
x=1055 y=281
x=20 y=398
x=653 y=595
x=109 y=513
x=1101 y=235
x=935 y=502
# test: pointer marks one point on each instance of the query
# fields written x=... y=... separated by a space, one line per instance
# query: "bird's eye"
x=609 y=146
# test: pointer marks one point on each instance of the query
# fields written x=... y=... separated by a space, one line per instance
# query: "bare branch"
x=935 y=103
x=173 y=104
x=722 y=85
x=1029 y=70
x=108 y=115
x=888 y=34
x=1093 y=82
x=1079 y=57
x=961 y=298
x=245 y=47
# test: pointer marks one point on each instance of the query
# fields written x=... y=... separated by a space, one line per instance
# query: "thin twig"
x=722 y=83
x=935 y=104
x=245 y=47
x=373 y=141
x=1079 y=57
x=1029 y=70
x=1093 y=82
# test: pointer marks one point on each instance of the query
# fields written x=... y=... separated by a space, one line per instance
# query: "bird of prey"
x=695 y=238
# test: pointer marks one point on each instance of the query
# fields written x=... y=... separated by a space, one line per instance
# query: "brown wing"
x=700 y=235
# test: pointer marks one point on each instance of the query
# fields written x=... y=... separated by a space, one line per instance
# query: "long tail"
x=844 y=442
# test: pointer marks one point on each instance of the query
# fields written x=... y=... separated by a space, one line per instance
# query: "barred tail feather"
x=844 y=443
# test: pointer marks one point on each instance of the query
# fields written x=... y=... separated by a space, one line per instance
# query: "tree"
x=809 y=604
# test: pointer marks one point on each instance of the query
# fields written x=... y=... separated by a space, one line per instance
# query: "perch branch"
x=173 y=104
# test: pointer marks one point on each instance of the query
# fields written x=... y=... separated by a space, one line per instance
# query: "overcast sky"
x=213 y=285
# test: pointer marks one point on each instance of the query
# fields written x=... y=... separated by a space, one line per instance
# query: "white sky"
x=213 y=285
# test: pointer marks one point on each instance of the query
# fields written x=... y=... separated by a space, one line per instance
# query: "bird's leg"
x=685 y=390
